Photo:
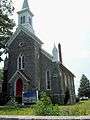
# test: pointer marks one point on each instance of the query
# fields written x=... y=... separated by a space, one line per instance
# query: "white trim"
x=23 y=75
x=49 y=79
x=15 y=88
x=15 y=75
x=65 y=80
x=37 y=94
x=26 y=31
x=21 y=62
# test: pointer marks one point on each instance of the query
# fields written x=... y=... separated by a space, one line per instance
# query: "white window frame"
x=65 y=80
x=47 y=80
x=22 y=19
x=21 y=56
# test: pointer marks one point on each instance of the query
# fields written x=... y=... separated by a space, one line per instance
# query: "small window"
x=22 y=19
x=30 y=21
x=48 y=80
x=65 y=79
x=21 y=62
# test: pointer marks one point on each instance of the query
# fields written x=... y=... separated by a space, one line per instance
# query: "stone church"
x=29 y=67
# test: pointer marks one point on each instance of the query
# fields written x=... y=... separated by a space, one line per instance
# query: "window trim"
x=47 y=80
x=20 y=63
x=22 y=19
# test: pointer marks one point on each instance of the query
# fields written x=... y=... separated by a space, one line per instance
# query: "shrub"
x=44 y=106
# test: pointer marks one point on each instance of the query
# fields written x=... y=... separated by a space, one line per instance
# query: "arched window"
x=48 y=80
x=65 y=79
x=22 y=19
x=21 y=62
x=30 y=21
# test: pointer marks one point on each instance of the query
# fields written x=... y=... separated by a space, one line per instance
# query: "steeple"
x=25 y=4
x=55 y=54
x=25 y=17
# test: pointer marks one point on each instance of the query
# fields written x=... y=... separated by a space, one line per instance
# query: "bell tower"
x=25 y=17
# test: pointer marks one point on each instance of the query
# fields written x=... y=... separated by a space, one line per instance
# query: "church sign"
x=30 y=96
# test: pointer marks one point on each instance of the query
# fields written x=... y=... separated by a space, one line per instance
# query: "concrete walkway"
x=11 y=117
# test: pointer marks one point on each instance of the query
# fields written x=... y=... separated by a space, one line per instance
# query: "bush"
x=18 y=100
x=44 y=106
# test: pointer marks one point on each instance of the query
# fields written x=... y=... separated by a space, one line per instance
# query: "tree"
x=84 y=89
x=6 y=27
x=6 y=24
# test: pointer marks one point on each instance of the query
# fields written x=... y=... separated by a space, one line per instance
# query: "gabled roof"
x=19 y=72
x=46 y=54
x=64 y=68
x=18 y=30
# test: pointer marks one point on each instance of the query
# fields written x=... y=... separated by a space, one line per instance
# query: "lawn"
x=82 y=108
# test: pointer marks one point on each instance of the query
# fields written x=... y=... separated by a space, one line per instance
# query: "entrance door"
x=19 y=88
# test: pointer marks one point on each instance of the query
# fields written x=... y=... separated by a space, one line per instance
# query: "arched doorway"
x=19 y=88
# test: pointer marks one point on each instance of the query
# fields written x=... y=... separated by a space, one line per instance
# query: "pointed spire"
x=55 y=53
x=25 y=17
x=25 y=4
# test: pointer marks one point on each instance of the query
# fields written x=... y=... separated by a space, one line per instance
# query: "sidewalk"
x=11 y=117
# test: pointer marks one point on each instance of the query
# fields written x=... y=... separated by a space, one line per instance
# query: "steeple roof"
x=25 y=4
x=55 y=54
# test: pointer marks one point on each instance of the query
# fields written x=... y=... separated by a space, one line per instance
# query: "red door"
x=19 y=88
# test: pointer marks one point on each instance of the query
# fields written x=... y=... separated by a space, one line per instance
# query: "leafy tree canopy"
x=84 y=89
x=6 y=24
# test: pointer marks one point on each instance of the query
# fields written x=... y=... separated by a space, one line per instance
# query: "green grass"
x=82 y=108
x=11 y=110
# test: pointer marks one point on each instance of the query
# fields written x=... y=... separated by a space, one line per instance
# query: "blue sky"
x=67 y=22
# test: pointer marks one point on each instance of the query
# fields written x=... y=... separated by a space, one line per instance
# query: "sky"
x=67 y=22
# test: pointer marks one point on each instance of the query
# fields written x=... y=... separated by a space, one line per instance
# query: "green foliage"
x=45 y=107
x=79 y=109
x=45 y=98
x=1 y=74
x=6 y=24
x=84 y=89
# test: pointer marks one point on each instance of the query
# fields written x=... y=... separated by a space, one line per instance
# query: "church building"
x=29 y=67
